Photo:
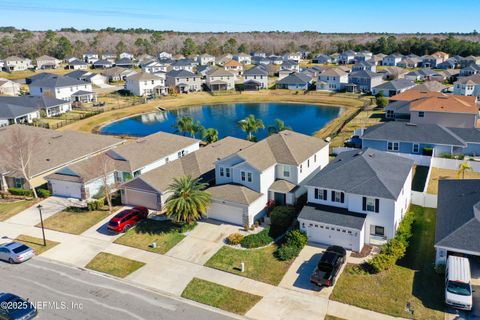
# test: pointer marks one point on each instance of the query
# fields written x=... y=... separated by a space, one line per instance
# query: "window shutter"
x=316 y=193
x=333 y=196
x=364 y=203
x=342 y=196
x=377 y=205
x=324 y=194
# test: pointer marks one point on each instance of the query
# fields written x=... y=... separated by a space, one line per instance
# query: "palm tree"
x=210 y=135
x=183 y=125
x=462 y=168
x=188 y=200
x=196 y=128
x=250 y=125
x=277 y=127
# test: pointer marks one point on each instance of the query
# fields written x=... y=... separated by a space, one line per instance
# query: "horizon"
x=217 y=17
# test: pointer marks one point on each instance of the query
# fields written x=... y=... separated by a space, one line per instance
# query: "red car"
x=126 y=219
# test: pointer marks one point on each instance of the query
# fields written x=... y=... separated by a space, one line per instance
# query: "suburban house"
x=332 y=79
x=282 y=73
x=150 y=189
x=234 y=67
x=49 y=105
x=63 y=88
x=9 y=87
x=346 y=57
x=183 y=64
x=117 y=73
x=77 y=65
x=97 y=79
x=290 y=65
x=392 y=59
x=457 y=219
x=356 y=200
x=109 y=56
x=256 y=78
x=165 y=55
x=363 y=56
x=83 y=180
x=424 y=74
x=125 y=63
x=90 y=57
x=296 y=56
x=392 y=73
x=322 y=59
x=126 y=55
x=154 y=67
x=430 y=86
x=448 y=64
x=435 y=108
x=220 y=79
x=221 y=60
x=273 y=59
x=271 y=170
x=243 y=58
x=363 y=81
x=53 y=151
x=431 y=61
x=468 y=86
x=206 y=59
x=183 y=81
x=145 y=84
x=14 y=63
x=295 y=81
x=102 y=64
x=394 y=87
x=409 y=63
x=465 y=62
x=470 y=70
x=364 y=65
x=47 y=62
x=422 y=139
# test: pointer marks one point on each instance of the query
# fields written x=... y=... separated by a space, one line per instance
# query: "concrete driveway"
x=100 y=231
x=298 y=275
x=202 y=242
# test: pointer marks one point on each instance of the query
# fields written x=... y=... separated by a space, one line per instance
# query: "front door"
x=280 y=198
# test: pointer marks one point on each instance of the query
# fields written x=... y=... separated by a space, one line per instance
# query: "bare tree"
x=103 y=166
x=20 y=147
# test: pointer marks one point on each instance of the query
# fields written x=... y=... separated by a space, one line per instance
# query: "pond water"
x=303 y=118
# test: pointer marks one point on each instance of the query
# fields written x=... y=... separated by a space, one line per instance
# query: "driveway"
x=298 y=275
x=100 y=231
x=202 y=242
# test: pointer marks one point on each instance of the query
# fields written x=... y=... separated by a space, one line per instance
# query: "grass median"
x=114 y=265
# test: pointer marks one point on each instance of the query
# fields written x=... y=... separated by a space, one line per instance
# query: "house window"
x=308 y=163
x=390 y=114
x=227 y=172
x=18 y=182
x=315 y=158
x=166 y=160
x=221 y=172
x=320 y=194
x=243 y=175
x=286 y=171
x=301 y=168
x=181 y=153
x=249 y=177
x=421 y=114
x=338 y=196
x=416 y=148
x=377 y=231
x=370 y=204
x=393 y=146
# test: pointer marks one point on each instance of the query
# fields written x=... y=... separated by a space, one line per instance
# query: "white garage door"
x=66 y=189
x=139 y=198
x=222 y=212
x=332 y=236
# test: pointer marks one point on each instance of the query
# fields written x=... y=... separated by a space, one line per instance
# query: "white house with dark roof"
x=391 y=88
x=76 y=64
x=392 y=59
x=332 y=79
x=256 y=78
x=206 y=59
x=356 y=200
x=468 y=86
x=20 y=105
x=220 y=79
x=295 y=81
x=184 y=81
x=243 y=58
x=145 y=84
x=62 y=87
x=363 y=81
x=90 y=57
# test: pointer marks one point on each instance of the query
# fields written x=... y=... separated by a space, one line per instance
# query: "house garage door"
x=223 y=212
x=66 y=189
x=140 y=198
x=333 y=235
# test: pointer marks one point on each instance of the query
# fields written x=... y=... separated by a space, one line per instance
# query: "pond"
x=303 y=118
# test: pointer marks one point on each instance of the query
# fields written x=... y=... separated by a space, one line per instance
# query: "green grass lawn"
x=412 y=281
x=219 y=296
x=75 y=222
x=114 y=265
x=9 y=209
x=165 y=233
x=260 y=264
x=36 y=243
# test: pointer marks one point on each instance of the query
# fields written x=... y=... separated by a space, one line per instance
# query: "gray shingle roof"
x=407 y=132
x=256 y=71
x=57 y=82
x=180 y=74
x=458 y=215
x=471 y=135
x=365 y=172
x=333 y=215
x=295 y=78
x=397 y=84
x=364 y=74
x=234 y=193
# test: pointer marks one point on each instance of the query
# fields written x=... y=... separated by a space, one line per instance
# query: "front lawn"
x=165 y=233
x=75 y=221
x=260 y=264
x=411 y=284
x=439 y=174
x=219 y=296
x=114 y=265
x=36 y=243
x=9 y=209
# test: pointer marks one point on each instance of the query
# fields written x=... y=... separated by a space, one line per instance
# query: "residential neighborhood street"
x=62 y=292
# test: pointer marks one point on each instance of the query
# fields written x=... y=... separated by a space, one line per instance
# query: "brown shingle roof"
x=446 y=103
x=234 y=193
x=232 y=63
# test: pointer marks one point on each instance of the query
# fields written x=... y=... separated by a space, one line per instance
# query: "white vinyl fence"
x=453 y=164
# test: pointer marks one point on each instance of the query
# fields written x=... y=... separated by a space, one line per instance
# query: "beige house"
x=47 y=62
x=9 y=87
x=220 y=79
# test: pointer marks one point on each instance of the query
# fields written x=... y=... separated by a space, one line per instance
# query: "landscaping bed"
x=10 y=208
x=36 y=243
x=409 y=289
x=219 y=296
x=165 y=233
x=114 y=265
x=76 y=221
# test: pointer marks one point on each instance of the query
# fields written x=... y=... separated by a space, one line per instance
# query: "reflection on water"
x=303 y=118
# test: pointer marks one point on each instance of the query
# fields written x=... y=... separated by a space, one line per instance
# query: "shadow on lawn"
x=164 y=226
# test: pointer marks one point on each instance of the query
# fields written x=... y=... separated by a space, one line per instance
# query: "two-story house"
x=183 y=64
x=347 y=57
x=234 y=67
x=356 y=200
x=63 y=88
x=271 y=170
x=220 y=79
x=431 y=61
x=295 y=56
x=256 y=78
x=295 y=81
x=469 y=70
x=394 y=87
x=206 y=59
x=184 y=81
x=392 y=59
x=468 y=86
x=90 y=57
x=332 y=79
x=364 y=65
x=363 y=81
x=243 y=58
x=154 y=67
x=145 y=84
x=47 y=62
x=14 y=63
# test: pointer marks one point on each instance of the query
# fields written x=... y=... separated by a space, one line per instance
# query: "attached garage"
x=66 y=189
x=332 y=235
x=226 y=212
x=142 y=198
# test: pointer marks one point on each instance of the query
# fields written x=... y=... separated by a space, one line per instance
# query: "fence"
x=424 y=199
x=68 y=119
x=452 y=164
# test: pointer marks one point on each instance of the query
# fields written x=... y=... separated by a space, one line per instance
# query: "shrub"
x=43 y=193
x=257 y=240
x=185 y=227
x=381 y=262
x=235 y=238
x=381 y=102
x=21 y=192
x=281 y=219
x=95 y=204
x=404 y=231
x=296 y=238
x=286 y=252
x=440 y=269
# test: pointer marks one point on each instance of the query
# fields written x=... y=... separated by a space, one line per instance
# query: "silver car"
x=15 y=252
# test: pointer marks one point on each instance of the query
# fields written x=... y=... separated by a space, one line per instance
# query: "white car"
x=458 y=289
x=15 y=252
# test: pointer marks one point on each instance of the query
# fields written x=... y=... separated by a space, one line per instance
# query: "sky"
x=399 y=16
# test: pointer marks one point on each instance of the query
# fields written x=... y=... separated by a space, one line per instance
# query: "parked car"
x=354 y=142
x=458 y=289
x=328 y=267
x=12 y=307
x=126 y=219
x=15 y=252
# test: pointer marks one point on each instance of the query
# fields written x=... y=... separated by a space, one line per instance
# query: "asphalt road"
x=62 y=292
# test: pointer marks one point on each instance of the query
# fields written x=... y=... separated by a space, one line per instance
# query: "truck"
x=327 y=268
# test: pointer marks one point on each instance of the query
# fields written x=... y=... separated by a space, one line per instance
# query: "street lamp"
x=39 y=207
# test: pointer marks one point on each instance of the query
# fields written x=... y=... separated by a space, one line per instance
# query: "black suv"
x=328 y=267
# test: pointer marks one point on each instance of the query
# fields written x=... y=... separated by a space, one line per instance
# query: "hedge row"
x=42 y=193
x=257 y=240
x=293 y=243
